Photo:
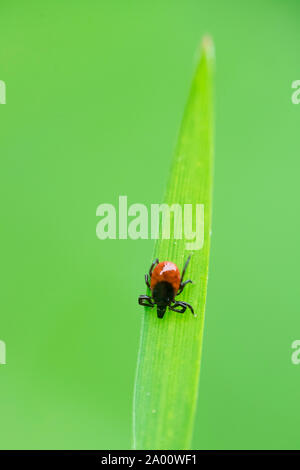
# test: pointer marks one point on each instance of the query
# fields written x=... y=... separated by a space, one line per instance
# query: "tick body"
x=165 y=282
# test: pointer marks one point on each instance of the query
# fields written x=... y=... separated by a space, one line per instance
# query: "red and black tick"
x=165 y=284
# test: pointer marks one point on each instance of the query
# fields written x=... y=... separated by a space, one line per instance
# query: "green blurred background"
x=95 y=96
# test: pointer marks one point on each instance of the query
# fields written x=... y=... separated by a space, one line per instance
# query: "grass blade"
x=170 y=349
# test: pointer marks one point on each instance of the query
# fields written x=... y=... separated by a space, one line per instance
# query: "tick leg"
x=183 y=305
x=152 y=266
x=190 y=307
x=186 y=305
x=184 y=268
x=177 y=308
x=182 y=286
x=146 y=301
x=148 y=276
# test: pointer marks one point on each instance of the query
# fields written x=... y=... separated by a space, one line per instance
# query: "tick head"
x=161 y=311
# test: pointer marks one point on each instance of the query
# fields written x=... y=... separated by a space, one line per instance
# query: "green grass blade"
x=170 y=349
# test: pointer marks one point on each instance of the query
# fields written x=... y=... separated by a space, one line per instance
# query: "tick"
x=166 y=283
